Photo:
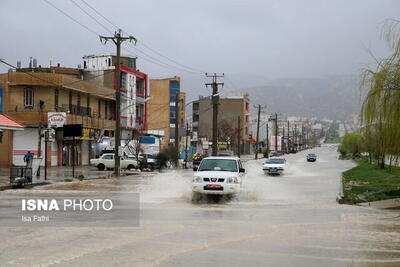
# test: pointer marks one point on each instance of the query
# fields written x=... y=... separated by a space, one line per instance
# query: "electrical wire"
x=71 y=18
x=88 y=14
x=142 y=43
x=56 y=84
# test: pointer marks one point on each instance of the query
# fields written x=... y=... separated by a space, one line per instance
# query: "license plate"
x=213 y=186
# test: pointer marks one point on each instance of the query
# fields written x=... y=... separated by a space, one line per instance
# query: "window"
x=28 y=97
x=56 y=93
x=108 y=157
x=84 y=64
x=218 y=165
x=78 y=101
x=139 y=112
x=174 y=89
x=139 y=86
x=123 y=80
x=132 y=63
x=109 y=62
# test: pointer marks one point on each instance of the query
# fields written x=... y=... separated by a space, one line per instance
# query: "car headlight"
x=232 y=180
x=197 y=179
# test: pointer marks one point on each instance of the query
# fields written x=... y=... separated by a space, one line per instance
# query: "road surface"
x=291 y=220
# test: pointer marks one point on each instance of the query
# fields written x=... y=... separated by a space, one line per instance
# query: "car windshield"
x=228 y=165
x=275 y=161
x=311 y=155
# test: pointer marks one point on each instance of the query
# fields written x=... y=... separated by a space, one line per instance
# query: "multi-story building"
x=230 y=109
x=162 y=109
x=134 y=88
x=30 y=94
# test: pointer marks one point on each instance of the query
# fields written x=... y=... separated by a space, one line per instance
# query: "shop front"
x=83 y=147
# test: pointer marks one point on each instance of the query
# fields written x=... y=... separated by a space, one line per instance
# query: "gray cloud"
x=274 y=39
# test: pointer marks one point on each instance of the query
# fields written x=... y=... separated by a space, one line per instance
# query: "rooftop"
x=107 y=55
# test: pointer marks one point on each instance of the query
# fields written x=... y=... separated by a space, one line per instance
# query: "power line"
x=93 y=18
x=142 y=43
x=156 y=61
x=71 y=18
x=92 y=31
x=56 y=84
x=98 y=13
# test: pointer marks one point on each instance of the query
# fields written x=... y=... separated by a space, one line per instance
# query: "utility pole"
x=288 y=137
x=215 y=103
x=238 y=136
x=117 y=39
x=258 y=130
x=283 y=139
x=276 y=132
x=186 y=145
x=267 y=138
x=177 y=122
x=295 y=137
x=39 y=150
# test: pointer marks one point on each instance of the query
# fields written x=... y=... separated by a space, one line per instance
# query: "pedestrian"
x=27 y=157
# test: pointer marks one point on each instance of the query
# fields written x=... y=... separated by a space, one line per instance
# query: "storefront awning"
x=7 y=123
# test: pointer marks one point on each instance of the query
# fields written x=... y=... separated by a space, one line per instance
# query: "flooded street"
x=288 y=220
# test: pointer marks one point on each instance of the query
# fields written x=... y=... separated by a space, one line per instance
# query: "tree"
x=381 y=108
x=226 y=133
x=352 y=144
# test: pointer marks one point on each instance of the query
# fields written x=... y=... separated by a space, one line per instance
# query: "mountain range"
x=332 y=97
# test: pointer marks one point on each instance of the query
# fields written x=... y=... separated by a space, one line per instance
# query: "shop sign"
x=56 y=119
x=87 y=134
x=222 y=145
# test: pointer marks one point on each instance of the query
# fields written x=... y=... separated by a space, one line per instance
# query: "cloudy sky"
x=265 y=38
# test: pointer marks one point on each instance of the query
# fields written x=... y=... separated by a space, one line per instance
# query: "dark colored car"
x=311 y=157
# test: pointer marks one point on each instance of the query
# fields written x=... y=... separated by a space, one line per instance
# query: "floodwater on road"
x=287 y=220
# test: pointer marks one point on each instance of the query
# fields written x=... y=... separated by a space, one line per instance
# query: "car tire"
x=101 y=167
x=130 y=167
x=196 y=197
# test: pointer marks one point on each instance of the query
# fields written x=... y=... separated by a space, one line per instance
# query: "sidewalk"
x=59 y=174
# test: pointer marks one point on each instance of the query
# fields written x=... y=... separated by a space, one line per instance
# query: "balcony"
x=33 y=118
x=77 y=110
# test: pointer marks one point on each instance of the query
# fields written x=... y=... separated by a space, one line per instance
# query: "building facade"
x=162 y=109
x=30 y=95
x=230 y=109
x=134 y=89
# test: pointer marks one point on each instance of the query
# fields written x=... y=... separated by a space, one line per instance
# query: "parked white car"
x=274 y=166
x=106 y=161
x=218 y=176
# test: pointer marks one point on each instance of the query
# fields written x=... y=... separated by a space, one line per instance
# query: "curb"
x=6 y=187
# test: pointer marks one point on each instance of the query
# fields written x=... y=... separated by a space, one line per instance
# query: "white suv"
x=218 y=176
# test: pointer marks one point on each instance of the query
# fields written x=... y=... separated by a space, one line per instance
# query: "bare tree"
x=226 y=133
